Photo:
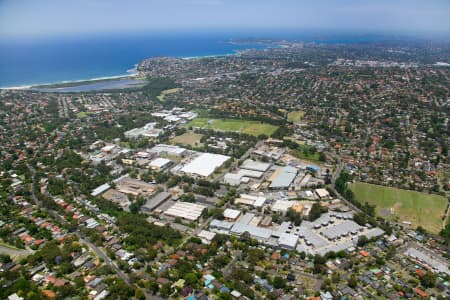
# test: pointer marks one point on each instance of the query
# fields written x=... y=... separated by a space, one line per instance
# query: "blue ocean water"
x=27 y=61
x=49 y=60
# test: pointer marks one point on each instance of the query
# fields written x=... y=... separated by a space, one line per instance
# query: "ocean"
x=50 y=60
x=31 y=61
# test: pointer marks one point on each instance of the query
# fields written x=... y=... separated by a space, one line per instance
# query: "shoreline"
x=29 y=86
x=131 y=72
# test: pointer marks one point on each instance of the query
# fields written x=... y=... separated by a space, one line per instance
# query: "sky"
x=53 y=17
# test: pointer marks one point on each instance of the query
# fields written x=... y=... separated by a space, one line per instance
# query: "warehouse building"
x=100 y=190
x=255 y=165
x=232 y=179
x=155 y=201
x=231 y=215
x=135 y=187
x=159 y=163
x=148 y=130
x=185 y=210
x=205 y=164
x=288 y=241
x=168 y=150
x=283 y=177
x=341 y=230
x=206 y=236
x=251 y=200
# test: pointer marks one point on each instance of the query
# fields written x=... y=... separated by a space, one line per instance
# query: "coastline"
x=130 y=72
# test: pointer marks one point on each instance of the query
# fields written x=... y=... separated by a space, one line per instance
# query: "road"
x=77 y=232
x=334 y=177
x=227 y=270
x=14 y=251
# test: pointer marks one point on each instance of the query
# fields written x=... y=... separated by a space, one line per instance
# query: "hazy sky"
x=46 y=17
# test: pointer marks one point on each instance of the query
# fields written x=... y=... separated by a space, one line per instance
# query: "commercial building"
x=283 y=177
x=185 y=210
x=205 y=164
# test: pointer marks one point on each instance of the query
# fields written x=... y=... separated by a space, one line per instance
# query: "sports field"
x=421 y=209
x=296 y=116
x=188 y=138
x=244 y=126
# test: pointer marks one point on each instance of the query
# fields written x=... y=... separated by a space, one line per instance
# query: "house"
x=421 y=293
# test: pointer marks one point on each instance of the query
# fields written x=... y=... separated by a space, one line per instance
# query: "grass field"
x=188 y=138
x=168 y=92
x=244 y=126
x=82 y=114
x=300 y=154
x=421 y=209
x=296 y=116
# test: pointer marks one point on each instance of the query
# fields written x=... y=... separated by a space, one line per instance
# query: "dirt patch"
x=385 y=212
x=397 y=206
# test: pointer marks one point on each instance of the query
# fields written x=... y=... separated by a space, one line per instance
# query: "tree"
x=362 y=240
x=164 y=291
x=279 y=282
x=352 y=281
x=428 y=280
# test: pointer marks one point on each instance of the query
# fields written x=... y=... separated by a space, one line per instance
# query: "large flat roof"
x=205 y=164
x=185 y=210
x=284 y=177
x=155 y=201
x=99 y=190
x=255 y=165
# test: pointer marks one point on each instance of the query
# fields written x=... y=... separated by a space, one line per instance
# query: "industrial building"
x=251 y=200
x=322 y=193
x=185 y=210
x=426 y=259
x=159 y=163
x=205 y=164
x=331 y=232
x=100 y=190
x=148 y=130
x=155 y=201
x=135 y=187
x=255 y=165
x=231 y=215
x=232 y=179
x=168 y=150
x=283 y=177
x=117 y=197
x=206 y=236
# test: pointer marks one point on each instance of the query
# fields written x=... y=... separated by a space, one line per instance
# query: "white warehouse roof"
x=185 y=210
x=159 y=162
x=205 y=164
x=231 y=213
x=255 y=165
